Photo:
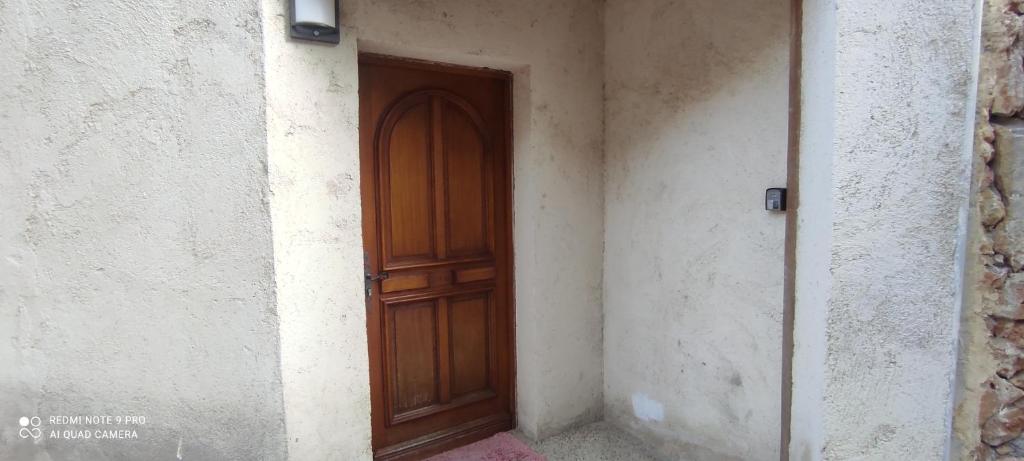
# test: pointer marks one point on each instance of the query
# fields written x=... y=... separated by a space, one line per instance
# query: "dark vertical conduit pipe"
x=793 y=199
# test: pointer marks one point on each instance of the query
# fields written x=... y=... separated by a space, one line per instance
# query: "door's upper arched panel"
x=436 y=189
x=469 y=192
x=407 y=184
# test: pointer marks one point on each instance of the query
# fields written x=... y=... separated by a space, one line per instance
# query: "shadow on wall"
x=696 y=128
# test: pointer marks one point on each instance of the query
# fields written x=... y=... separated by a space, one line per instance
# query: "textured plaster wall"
x=814 y=229
x=990 y=410
x=312 y=142
x=899 y=141
x=136 y=271
x=555 y=51
x=696 y=126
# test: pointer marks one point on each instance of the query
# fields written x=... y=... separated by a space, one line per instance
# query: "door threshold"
x=446 y=439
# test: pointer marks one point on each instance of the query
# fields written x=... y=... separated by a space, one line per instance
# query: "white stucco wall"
x=554 y=50
x=312 y=142
x=814 y=224
x=696 y=121
x=136 y=269
x=897 y=133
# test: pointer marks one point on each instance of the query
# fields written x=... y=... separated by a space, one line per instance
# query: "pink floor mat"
x=500 y=447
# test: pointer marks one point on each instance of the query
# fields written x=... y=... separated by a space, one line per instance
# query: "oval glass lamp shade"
x=315 y=13
x=315 y=20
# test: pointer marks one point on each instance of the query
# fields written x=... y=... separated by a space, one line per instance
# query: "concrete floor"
x=593 y=442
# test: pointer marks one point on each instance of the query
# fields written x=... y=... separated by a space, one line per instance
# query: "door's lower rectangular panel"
x=471 y=340
x=411 y=343
x=433 y=409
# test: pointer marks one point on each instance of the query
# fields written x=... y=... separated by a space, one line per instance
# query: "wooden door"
x=436 y=192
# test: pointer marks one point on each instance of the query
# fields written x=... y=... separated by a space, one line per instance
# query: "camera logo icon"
x=30 y=427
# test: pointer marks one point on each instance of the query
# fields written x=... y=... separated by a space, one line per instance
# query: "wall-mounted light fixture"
x=315 y=20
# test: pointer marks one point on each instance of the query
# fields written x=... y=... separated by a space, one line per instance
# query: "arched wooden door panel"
x=436 y=188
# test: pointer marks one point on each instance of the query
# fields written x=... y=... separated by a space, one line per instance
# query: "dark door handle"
x=369 y=279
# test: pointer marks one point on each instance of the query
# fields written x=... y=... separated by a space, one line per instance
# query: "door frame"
x=367 y=186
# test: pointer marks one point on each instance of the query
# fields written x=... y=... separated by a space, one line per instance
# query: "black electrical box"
x=775 y=199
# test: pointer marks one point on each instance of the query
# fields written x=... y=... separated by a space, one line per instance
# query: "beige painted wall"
x=312 y=136
x=136 y=272
x=885 y=157
x=696 y=123
x=555 y=51
x=137 y=268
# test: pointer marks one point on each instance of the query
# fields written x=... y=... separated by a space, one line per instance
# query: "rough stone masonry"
x=990 y=415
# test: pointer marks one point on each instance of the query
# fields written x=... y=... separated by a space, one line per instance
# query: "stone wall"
x=990 y=414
